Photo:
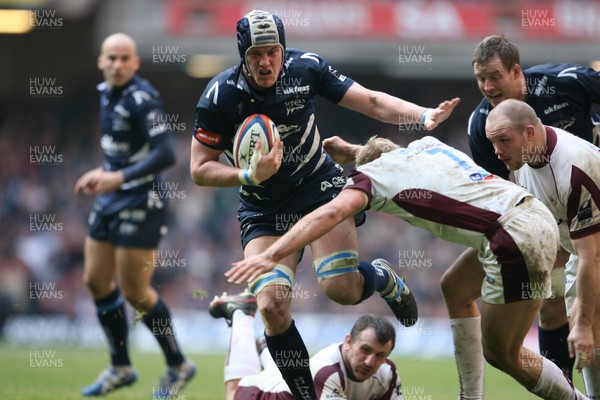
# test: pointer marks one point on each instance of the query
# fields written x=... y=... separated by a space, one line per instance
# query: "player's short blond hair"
x=373 y=149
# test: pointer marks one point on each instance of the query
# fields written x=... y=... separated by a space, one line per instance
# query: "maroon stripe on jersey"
x=324 y=373
x=579 y=180
x=436 y=207
x=515 y=276
x=390 y=392
x=360 y=182
x=254 y=393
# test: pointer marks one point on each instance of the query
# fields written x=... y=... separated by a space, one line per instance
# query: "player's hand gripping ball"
x=257 y=127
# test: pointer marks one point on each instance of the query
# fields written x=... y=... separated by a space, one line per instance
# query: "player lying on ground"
x=356 y=369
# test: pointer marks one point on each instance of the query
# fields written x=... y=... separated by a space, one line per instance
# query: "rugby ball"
x=254 y=128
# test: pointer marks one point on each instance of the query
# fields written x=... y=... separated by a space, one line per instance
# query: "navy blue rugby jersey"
x=134 y=136
x=562 y=96
x=228 y=100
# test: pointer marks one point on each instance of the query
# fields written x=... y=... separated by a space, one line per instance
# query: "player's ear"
x=347 y=341
x=517 y=71
x=529 y=132
x=100 y=62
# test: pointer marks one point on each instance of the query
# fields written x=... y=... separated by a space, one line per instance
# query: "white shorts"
x=519 y=254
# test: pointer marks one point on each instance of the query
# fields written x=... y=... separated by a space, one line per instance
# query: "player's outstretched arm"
x=581 y=337
x=305 y=231
x=393 y=110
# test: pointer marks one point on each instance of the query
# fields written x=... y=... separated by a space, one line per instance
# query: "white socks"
x=553 y=385
x=468 y=353
x=242 y=358
x=591 y=377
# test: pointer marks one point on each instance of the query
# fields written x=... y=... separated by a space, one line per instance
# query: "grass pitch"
x=51 y=374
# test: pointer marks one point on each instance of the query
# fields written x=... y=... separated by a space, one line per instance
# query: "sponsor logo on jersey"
x=294 y=105
x=305 y=89
x=335 y=73
x=585 y=212
x=339 y=181
x=112 y=148
x=325 y=185
x=287 y=130
x=208 y=137
x=556 y=107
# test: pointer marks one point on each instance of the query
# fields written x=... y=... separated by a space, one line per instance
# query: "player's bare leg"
x=135 y=268
x=99 y=267
x=461 y=287
x=504 y=327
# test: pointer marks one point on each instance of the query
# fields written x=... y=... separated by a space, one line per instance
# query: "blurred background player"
x=356 y=369
x=456 y=200
x=295 y=177
x=129 y=218
x=563 y=171
x=562 y=95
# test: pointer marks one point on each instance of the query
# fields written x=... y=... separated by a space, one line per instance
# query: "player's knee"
x=140 y=297
x=338 y=276
x=344 y=289
x=275 y=311
x=447 y=285
x=500 y=357
x=97 y=287
x=553 y=314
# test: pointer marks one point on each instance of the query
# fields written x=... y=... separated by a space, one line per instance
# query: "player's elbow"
x=198 y=172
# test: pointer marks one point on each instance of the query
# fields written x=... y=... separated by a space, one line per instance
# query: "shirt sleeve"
x=359 y=181
x=332 y=85
x=212 y=126
x=587 y=78
x=161 y=154
x=583 y=205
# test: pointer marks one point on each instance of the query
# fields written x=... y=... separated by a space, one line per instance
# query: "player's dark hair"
x=384 y=330
x=496 y=45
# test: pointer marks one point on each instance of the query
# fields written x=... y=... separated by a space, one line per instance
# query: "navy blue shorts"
x=313 y=192
x=129 y=219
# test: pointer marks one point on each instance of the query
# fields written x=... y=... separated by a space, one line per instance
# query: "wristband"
x=424 y=115
x=246 y=177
